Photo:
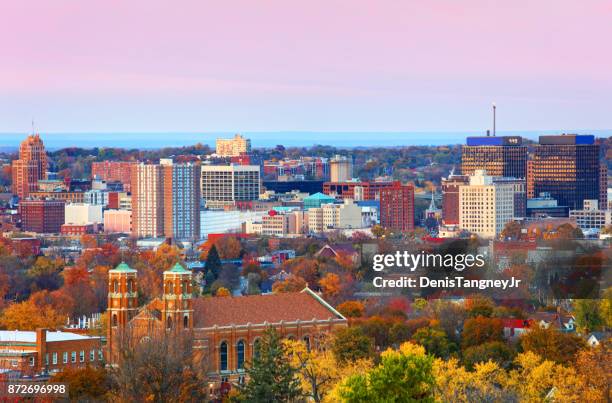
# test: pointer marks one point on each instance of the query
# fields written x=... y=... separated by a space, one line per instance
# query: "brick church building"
x=225 y=329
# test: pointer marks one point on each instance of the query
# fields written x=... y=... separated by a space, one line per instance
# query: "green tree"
x=403 y=375
x=271 y=376
x=435 y=341
x=588 y=315
x=213 y=262
x=351 y=344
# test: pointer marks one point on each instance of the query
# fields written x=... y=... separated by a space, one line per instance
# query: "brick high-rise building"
x=397 y=207
x=450 y=198
x=181 y=184
x=42 y=216
x=568 y=168
x=357 y=190
x=114 y=171
x=147 y=201
x=498 y=156
x=30 y=167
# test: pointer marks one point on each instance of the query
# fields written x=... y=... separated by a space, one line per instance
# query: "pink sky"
x=311 y=65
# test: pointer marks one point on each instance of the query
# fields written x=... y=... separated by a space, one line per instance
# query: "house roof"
x=257 y=309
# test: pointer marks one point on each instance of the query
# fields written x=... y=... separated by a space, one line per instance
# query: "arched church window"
x=115 y=286
x=240 y=354
x=186 y=321
x=114 y=320
x=223 y=357
x=169 y=322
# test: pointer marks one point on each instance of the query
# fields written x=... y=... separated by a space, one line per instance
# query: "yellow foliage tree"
x=28 y=316
x=318 y=370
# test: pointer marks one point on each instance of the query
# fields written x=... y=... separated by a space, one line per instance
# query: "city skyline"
x=250 y=66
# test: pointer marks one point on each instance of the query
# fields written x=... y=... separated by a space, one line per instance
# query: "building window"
x=47 y=359
x=256 y=347
x=92 y=355
x=54 y=358
x=169 y=322
x=184 y=287
x=32 y=361
x=115 y=286
x=223 y=357
x=186 y=321
x=240 y=354
x=100 y=355
x=73 y=356
x=307 y=342
x=114 y=320
x=65 y=357
x=130 y=285
x=82 y=356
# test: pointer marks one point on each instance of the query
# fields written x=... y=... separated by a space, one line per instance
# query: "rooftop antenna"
x=33 y=131
x=494 y=108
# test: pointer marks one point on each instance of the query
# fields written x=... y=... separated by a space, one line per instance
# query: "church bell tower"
x=177 y=312
x=122 y=304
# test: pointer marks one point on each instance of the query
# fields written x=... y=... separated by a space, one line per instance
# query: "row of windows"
x=240 y=353
x=73 y=357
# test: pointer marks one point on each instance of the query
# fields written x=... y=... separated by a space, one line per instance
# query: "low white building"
x=82 y=213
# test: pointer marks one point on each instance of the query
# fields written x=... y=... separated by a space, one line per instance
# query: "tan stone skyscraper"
x=30 y=167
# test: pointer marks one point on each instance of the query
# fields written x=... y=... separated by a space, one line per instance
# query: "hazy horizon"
x=267 y=139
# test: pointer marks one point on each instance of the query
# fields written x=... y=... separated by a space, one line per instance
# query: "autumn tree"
x=351 y=309
x=291 y=284
x=479 y=330
x=158 y=367
x=351 y=344
x=551 y=344
x=28 y=316
x=318 y=369
x=88 y=384
x=496 y=351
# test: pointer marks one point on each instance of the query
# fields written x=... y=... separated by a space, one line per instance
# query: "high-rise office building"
x=485 y=205
x=223 y=185
x=397 y=208
x=233 y=147
x=147 y=200
x=498 y=156
x=181 y=183
x=30 y=167
x=341 y=169
x=568 y=168
x=450 y=198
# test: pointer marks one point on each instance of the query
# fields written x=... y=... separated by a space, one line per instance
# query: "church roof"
x=122 y=268
x=178 y=269
x=257 y=309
